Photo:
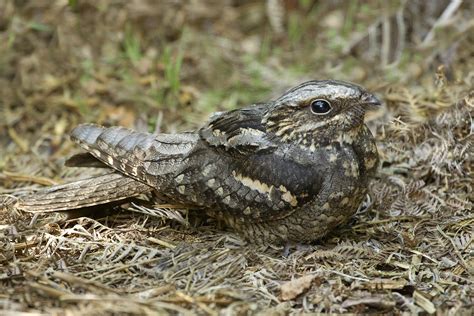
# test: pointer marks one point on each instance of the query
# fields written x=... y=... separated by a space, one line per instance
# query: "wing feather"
x=239 y=131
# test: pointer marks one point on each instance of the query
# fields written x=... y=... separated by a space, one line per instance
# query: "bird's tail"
x=104 y=189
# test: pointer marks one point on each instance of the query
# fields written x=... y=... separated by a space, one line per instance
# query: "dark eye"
x=320 y=107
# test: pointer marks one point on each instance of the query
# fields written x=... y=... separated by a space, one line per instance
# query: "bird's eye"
x=320 y=107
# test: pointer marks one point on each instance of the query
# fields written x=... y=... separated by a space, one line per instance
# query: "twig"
x=445 y=16
x=456 y=250
x=161 y=242
x=19 y=177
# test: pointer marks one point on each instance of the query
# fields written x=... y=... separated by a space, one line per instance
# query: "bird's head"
x=317 y=112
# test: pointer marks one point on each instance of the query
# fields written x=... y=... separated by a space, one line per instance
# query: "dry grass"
x=165 y=66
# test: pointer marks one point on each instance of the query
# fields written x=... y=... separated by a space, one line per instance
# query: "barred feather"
x=103 y=189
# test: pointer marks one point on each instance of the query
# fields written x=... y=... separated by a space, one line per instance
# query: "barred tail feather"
x=103 y=189
x=113 y=146
x=146 y=157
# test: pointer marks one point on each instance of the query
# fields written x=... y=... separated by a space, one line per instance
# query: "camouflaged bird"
x=289 y=170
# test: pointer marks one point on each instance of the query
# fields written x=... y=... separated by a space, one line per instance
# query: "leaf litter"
x=155 y=66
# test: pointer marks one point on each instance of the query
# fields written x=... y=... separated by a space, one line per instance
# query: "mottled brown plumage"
x=289 y=170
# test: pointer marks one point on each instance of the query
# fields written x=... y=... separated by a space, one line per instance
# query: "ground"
x=164 y=66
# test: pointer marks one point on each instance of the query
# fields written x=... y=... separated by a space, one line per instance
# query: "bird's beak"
x=370 y=101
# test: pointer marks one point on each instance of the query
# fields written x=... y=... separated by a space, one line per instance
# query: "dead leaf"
x=379 y=302
x=424 y=302
x=293 y=288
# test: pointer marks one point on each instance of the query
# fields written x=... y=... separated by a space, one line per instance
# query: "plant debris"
x=164 y=66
